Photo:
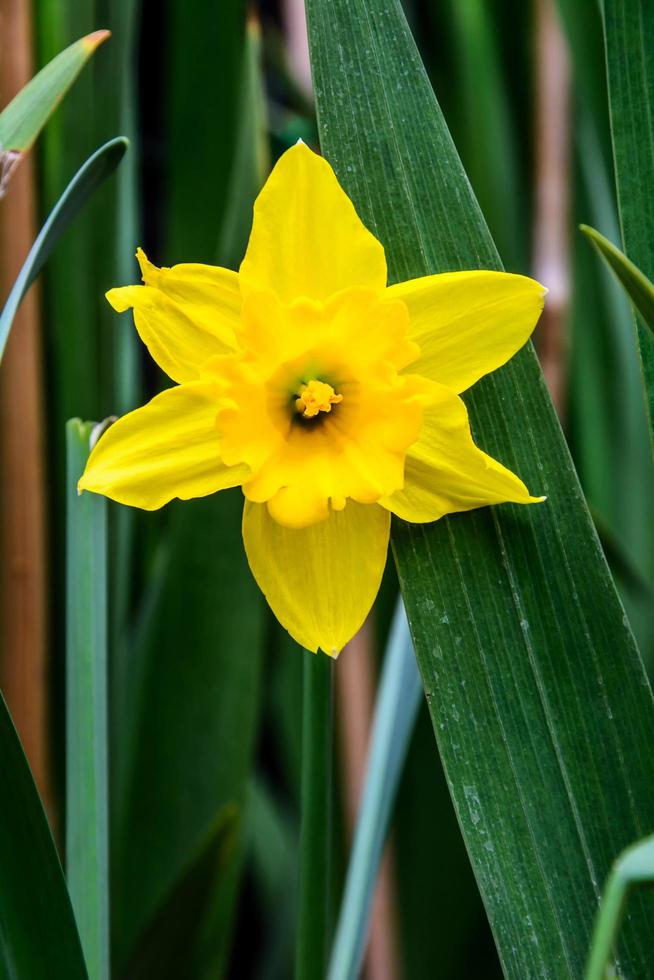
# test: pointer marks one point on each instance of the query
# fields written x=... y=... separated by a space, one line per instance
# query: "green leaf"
x=312 y=942
x=638 y=287
x=628 y=30
x=26 y=115
x=251 y=156
x=634 y=867
x=538 y=697
x=207 y=57
x=188 y=936
x=396 y=707
x=194 y=682
x=87 y=807
x=87 y=179
x=36 y=916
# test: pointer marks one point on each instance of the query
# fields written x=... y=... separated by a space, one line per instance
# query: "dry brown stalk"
x=22 y=501
x=551 y=262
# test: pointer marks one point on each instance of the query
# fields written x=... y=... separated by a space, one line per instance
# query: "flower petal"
x=168 y=448
x=445 y=472
x=468 y=324
x=307 y=240
x=320 y=581
x=184 y=315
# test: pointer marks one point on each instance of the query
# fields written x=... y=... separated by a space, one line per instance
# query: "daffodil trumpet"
x=330 y=397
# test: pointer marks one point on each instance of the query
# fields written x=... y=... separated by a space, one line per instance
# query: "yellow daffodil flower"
x=330 y=398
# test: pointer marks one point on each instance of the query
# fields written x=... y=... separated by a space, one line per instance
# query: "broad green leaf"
x=189 y=937
x=35 y=910
x=537 y=693
x=87 y=804
x=192 y=716
x=396 y=708
x=628 y=31
x=87 y=179
x=634 y=867
x=26 y=115
x=638 y=287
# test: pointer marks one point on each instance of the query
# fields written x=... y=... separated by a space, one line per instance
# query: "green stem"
x=315 y=833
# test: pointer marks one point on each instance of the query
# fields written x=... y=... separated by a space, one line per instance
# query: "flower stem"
x=315 y=833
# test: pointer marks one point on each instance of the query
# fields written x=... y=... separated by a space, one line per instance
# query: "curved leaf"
x=26 y=115
x=88 y=178
x=638 y=287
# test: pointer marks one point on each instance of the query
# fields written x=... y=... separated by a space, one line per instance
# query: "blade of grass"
x=87 y=179
x=628 y=30
x=396 y=708
x=35 y=911
x=26 y=115
x=87 y=807
x=536 y=689
x=638 y=287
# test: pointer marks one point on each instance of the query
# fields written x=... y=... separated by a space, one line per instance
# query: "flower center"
x=314 y=397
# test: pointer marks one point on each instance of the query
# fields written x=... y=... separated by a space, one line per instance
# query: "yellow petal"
x=307 y=239
x=320 y=581
x=445 y=472
x=184 y=315
x=467 y=324
x=168 y=448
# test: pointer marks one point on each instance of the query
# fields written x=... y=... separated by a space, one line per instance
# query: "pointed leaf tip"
x=95 y=39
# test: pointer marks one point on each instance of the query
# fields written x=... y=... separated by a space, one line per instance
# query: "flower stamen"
x=314 y=397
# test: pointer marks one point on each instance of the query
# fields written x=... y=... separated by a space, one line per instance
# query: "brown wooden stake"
x=22 y=496
x=551 y=261
x=355 y=695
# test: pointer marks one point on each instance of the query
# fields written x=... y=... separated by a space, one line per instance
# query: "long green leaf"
x=538 y=697
x=26 y=115
x=38 y=936
x=87 y=179
x=87 y=806
x=638 y=287
x=628 y=31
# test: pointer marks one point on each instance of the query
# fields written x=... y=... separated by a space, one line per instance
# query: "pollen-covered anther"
x=315 y=397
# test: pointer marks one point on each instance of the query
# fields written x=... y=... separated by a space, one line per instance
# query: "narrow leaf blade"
x=88 y=178
x=26 y=115
x=638 y=287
